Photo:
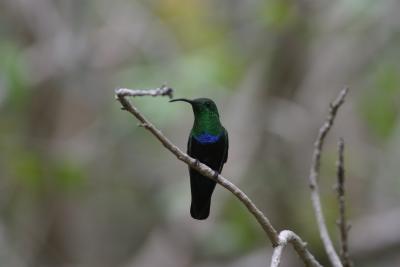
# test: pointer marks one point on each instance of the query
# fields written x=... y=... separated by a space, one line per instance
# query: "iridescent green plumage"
x=208 y=142
x=206 y=118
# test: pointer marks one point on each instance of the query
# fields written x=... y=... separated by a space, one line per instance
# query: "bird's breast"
x=206 y=138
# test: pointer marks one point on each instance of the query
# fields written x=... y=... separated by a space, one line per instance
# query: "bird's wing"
x=226 y=146
x=189 y=146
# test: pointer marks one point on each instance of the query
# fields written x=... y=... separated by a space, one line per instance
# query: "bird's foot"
x=215 y=175
x=197 y=163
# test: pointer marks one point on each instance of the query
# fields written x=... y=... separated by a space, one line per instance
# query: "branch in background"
x=272 y=234
x=313 y=177
x=286 y=237
x=342 y=223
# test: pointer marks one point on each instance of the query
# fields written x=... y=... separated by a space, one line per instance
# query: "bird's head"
x=201 y=106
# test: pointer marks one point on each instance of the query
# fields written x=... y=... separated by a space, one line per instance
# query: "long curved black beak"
x=183 y=100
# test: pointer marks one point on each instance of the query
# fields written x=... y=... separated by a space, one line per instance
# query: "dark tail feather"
x=202 y=189
x=200 y=212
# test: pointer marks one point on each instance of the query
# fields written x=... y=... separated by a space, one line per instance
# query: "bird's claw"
x=196 y=163
x=215 y=175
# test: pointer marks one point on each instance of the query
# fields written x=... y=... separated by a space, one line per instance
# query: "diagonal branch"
x=272 y=234
x=313 y=177
x=342 y=223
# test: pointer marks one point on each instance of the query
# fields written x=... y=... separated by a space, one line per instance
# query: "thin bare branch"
x=342 y=223
x=272 y=234
x=286 y=237
x=313 y=177
x=162 y=91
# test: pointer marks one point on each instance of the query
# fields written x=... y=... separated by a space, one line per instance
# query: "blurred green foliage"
x=13 y=74
x=35 y=174
x=278 y=14
x=380 y=104
x=237 y=232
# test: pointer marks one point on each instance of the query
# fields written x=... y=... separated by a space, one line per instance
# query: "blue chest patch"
x=206 y=138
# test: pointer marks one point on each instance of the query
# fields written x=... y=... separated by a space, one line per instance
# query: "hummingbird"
x=208 y=143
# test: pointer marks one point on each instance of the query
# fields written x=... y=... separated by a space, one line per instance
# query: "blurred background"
x=82 y=185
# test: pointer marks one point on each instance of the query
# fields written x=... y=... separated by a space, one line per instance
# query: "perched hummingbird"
x=208 y=143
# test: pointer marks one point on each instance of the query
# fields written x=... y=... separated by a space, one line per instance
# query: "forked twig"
x=313 y=177
x=286 y=237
